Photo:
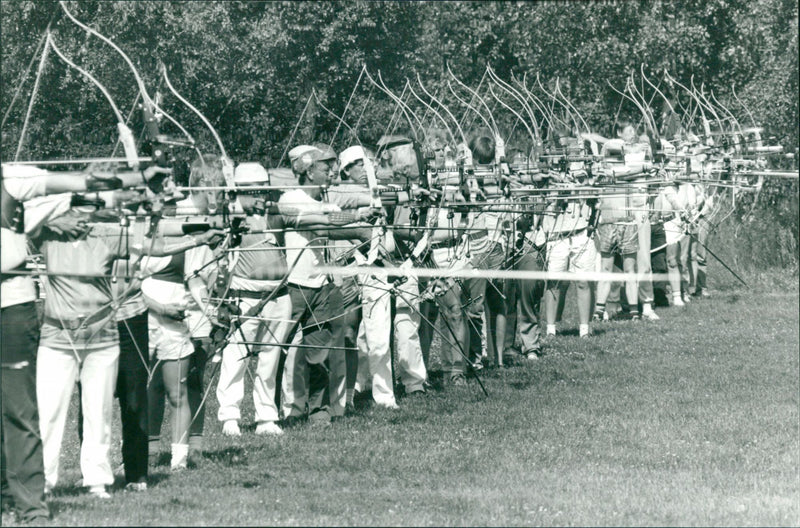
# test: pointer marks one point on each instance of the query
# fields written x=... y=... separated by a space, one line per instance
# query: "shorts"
x=618 y=238
x=572 y=253
x=169 y=338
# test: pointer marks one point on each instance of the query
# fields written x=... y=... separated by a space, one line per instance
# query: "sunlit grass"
x=691 y=420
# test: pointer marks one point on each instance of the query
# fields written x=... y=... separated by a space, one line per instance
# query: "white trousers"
x=374 y=357
x=410 y=365
x=270 y=326
x=57 y=371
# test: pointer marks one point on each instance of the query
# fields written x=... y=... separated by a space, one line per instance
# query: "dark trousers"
x=658 y=263
x=530 y=299
x=132 y=394
x=22 y=464
x=318 y=314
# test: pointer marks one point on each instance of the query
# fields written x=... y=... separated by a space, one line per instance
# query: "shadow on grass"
x=229 y=456
x=575 y=332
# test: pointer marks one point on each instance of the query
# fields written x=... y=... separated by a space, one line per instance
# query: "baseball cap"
x=391 y=140
x=250 y=172
x=350 y=155
x=303 y=156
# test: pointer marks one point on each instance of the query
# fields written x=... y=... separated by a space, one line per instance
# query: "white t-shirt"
x=24 y=183
x=292 y=206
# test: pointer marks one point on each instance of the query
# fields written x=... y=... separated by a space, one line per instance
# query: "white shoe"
x=686 y=298
x=650 y=315
x=388 y=405
x=677 y=301
x=269 y=429
x=231 y=428
x=99 y=492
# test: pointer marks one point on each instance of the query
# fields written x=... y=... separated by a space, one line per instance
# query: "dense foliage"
x=253 y=67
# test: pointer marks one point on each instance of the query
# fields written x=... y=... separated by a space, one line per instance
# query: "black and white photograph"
x=400 y=263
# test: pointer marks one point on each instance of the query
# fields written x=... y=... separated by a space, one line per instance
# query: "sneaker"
x=268 y=429
x=677 y=301
x=650 y=315
x=533 y=354
x=478 y=365
x=705 y=293
x=606 y=317
x=458 y=380
x=231 y=428
x=99 y=492
x=136 y=486
x=416 y=393
x=388 y=405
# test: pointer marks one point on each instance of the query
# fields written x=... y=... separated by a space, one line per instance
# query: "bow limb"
x=572 y=106
x=557 y=89
x=698 y=105
x=474 y=93
x=435 y=112
x=521 y=100
x=125 y=134
x=51 y=43
x=294 y=130
x=468 y=105
x=128 y=61
x=347 y=106
x=551 y=110
x=407 y=112
x=195 y=110
x=127 y=142
x=480 y=83
x=538 y=103
x=330 y=112
x=516 y=114
x=655 y=138
x=443 y=107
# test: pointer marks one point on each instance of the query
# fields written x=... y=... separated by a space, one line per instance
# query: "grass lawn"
x=691 y=420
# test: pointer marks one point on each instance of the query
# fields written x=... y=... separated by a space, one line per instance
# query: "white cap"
x=298 y=151
x=250 y=172
x=351 y=155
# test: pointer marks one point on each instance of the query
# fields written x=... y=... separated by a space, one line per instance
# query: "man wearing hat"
x=316 y=301
x=373 y=361
x=399 y=162
x=256 y=269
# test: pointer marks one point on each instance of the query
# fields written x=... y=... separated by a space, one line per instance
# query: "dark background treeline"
x=251 y=66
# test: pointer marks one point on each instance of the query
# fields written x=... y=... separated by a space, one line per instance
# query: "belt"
x=475 y=235
x=567 y=234
x=73 y=324
x=249 y=294
x=618 y=220
x=449 y=243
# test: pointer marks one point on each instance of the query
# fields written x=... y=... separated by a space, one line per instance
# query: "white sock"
x=646 y=308
x=180 y=452
x=583 y=330
x=551 y=329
